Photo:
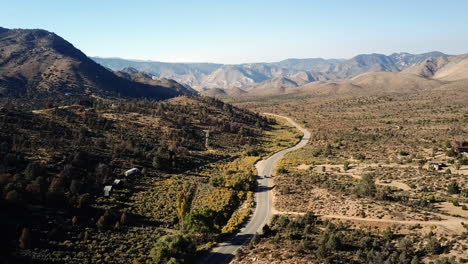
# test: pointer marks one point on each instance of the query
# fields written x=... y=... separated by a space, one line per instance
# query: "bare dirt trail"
x=449 y=223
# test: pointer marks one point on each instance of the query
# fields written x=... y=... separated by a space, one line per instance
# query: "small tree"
x=13 y=196
x=199 y=221
x=282 y=170
x=266 y=230
x=333 y=242
x=25 y=239
x=101 y=222
x=84 y=200
x=75 y=186
x=366 y=187
x=157 y=163
x=31 y=171
x=346 y=165
x=123 y=218
x=172 y=249
x=182 y=206
x=433 y=246
x=453 y=188
x=415 y=260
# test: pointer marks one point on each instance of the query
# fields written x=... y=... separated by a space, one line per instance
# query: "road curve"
x=224 y=252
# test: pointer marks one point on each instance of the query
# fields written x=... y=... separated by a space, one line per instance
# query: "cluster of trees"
x=85 y=131
x=62 y=157
x=336 y=243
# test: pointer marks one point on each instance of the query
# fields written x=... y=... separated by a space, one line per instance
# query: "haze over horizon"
x=241 y=31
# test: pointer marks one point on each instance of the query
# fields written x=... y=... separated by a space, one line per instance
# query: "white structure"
x=107 y=190
x=116 y=182
x=131 y=172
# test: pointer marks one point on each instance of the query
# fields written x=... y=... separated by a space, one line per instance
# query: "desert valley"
x=111 y=160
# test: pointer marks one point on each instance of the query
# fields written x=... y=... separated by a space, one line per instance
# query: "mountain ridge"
x=203 y=76
x=38 y=63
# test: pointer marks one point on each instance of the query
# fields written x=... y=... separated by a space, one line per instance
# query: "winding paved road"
x=224 y=252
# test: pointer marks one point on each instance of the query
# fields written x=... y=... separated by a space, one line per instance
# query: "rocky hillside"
x=38 y=63
x=56 y=162
x=148 y=78
x=450 y=68
x=203 y=76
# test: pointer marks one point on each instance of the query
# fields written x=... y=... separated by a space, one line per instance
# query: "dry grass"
x=393 y=138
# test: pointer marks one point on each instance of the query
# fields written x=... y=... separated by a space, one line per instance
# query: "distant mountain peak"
x=130 y=70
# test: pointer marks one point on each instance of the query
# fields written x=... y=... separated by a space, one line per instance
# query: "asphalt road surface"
x=224 y=252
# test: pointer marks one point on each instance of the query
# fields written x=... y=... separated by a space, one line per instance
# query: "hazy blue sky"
x=234 y=31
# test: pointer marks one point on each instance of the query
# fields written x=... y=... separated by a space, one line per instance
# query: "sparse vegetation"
x=59 y=159
x=306 y=239
x=383 y=157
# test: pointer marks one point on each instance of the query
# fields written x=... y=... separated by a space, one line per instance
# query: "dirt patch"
x=304 y=167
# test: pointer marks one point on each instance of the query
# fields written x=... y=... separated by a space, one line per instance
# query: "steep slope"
x=38 y=63
x=428 y=67
x=147 y=78
x=215 y=92
x=233 y=76
x=364 y=63
x=186 y=73
x=222 y=93
x=56 y=162
x=451 y=68
x=404 y=60
x=378 y=63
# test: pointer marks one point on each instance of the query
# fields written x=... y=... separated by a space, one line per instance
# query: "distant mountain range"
x=38 y=63
x=278 y=75
x=436 y=73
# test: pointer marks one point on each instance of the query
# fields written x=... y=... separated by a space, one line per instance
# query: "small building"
x=437 y=165
x=131 y=172
x=117 y=182
x=107 y=190
x=460 y=146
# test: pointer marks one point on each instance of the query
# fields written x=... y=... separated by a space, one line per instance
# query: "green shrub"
x=433 y=246
x=172 y=249
x=199 y=221
x=366 y=187
x=360 y=156
x=453 y=188
x=346 y=165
